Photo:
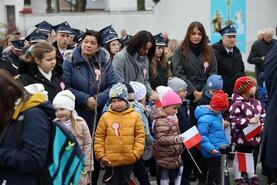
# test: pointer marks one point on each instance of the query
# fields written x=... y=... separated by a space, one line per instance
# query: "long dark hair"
x=140 y=40
x=203 y=44
x=154 y=64
x=10 y=92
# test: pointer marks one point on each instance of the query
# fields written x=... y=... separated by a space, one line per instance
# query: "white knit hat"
x=161 y=90
x=139 y=90
x=65 y=100
x=36 y=88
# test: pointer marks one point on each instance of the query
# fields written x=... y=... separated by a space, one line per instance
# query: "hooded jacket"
x=124 y=146
x=80 y=76
x=240 y=112
x=167 y=152
x=211 y=129
x=22 y=165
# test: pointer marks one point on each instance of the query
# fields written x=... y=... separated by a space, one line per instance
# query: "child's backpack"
x=65 y=157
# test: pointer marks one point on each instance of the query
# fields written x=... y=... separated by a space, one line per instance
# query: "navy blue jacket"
x=21 y=166
x=183 y=116
x=269 y=145
x=80 y=77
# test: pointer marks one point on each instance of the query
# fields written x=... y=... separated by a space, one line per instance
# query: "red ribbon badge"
x=206 y=65
x=116 y=127
x=62 y=85
x=97 y=74
x=144 y=71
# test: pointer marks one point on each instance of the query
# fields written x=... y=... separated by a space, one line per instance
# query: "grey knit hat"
x=176 y=84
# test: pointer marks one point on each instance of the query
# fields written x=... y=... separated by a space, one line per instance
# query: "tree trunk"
x=49 y=6
x=58 y=6
x=141 y=5
x=80 y=5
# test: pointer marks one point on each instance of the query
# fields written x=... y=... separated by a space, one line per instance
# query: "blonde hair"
x=173 y=44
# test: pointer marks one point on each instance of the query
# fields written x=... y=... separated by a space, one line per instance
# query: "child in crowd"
x=244 y=111
x=139 y=106
x=179 y=86
x=119 y=137
x=214 y=84
x=209 y=121
x=167 y=142
x=64 y=103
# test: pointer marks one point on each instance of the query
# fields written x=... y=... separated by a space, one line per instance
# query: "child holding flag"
x=209 y=120
x=167 y=142
x=246 y=117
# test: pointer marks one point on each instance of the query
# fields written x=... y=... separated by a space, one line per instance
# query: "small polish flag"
x=252 y=130
x=191 y=137
x=245 y=162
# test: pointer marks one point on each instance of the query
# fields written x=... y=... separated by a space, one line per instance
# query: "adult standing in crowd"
x=11 y=61
x=89 y=75
x=45 y=28
x=132 y=64
x=259 y=50
x=20 y=163
x=110 y=41
x=159 y=67
x=229 y=60
x=61 y=44
x=193 y=62
x=83 y=68
x=269 y=146
x=124 y=37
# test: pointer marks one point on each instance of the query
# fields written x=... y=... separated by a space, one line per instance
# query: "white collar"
x=229 y=50
x=48 y=76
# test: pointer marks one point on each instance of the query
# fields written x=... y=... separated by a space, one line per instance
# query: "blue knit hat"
x=119 y=91
x=215 y=82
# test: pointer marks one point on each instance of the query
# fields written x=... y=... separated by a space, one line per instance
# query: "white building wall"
x=172 y=16
x=38 y=6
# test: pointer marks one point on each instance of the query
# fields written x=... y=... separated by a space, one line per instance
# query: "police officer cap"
x=62 y=28
x=159 y=40
x=228 y=30
x=36 y=36
x=18 y=44
x=77 y=34
x=45 y=26
x=107 y=35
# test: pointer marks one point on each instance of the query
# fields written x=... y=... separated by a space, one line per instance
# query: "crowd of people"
x=128 y=101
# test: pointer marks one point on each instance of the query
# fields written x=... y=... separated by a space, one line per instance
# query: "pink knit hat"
x=170 y=98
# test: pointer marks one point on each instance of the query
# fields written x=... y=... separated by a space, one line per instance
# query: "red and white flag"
x=252 y=130
x=245 y=162
x=191 y=137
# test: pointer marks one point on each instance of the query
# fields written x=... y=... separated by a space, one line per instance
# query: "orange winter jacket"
x=119 y=137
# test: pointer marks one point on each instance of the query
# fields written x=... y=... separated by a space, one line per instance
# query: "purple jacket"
x=240 y=112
